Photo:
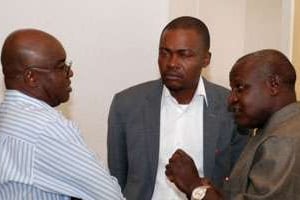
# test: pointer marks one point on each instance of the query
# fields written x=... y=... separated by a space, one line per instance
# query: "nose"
x=172 y=61
x=70 y=73
x=232 y=98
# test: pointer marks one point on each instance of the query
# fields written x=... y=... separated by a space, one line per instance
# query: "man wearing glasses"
x=42 y=154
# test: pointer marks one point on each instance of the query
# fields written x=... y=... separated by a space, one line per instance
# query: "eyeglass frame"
x=66 y=67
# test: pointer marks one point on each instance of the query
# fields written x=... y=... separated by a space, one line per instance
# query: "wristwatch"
x=199 y=192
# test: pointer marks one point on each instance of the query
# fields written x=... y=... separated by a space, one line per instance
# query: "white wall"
x=296 y=44
x=113 y=45
x=269 y=24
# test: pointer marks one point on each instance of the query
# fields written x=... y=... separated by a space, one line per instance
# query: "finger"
x=171 y=179
x=169 y=173
x=177 y=152
x=168 y=167
x=169 y=176
x=174 y=157
x=183 y=155
x=180 y=152
x=206 y=181
x=171 y=160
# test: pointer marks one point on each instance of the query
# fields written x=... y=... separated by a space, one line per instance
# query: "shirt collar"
x=19 y=96
x=200 y=91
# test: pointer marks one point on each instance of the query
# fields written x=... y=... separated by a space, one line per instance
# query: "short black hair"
x=187 y=22
x=272 y=62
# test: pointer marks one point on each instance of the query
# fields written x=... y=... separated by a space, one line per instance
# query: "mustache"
x=230 y=108
x=172 y=73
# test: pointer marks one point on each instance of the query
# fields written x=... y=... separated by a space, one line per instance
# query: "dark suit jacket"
x=133 y=137
x=269 y=167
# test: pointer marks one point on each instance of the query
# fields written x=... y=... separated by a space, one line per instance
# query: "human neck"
x=288 y=99
x=183 y=96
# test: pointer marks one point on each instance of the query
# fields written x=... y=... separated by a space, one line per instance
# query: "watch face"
x=199 y=192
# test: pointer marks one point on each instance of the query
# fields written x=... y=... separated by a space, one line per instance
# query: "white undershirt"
x=181 y=126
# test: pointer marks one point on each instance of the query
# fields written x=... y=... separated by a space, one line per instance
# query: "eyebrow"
x=176 y=50
x=60 y=61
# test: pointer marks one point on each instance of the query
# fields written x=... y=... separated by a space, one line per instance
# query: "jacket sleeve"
x=116 y=144
x=272 y=175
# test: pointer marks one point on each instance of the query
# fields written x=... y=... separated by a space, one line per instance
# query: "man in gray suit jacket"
x=148 y=122
x=263 y=96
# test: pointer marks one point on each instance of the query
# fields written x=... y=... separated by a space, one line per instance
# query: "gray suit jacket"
x=133 y=137
x=269 y=167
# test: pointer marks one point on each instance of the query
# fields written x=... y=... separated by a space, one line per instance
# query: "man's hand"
x=182 y=171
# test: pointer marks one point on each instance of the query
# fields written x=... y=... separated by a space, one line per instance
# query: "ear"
x=206 y=60
x=30 y=78
x=273 y=83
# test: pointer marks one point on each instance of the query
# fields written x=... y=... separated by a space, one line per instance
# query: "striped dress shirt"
x=43 y=156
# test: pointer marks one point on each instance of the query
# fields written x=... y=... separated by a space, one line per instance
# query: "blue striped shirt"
x=43 y=156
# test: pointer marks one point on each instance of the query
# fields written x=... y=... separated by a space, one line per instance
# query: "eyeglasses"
x=65 y=67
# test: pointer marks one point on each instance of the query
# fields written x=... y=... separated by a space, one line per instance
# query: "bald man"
x=262 y=97
x=42 y=154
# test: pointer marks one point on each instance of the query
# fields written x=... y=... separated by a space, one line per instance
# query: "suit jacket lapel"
x=210 y=129
x=152 y=123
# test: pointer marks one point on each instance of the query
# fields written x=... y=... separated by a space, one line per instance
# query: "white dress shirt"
x=181 y=126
